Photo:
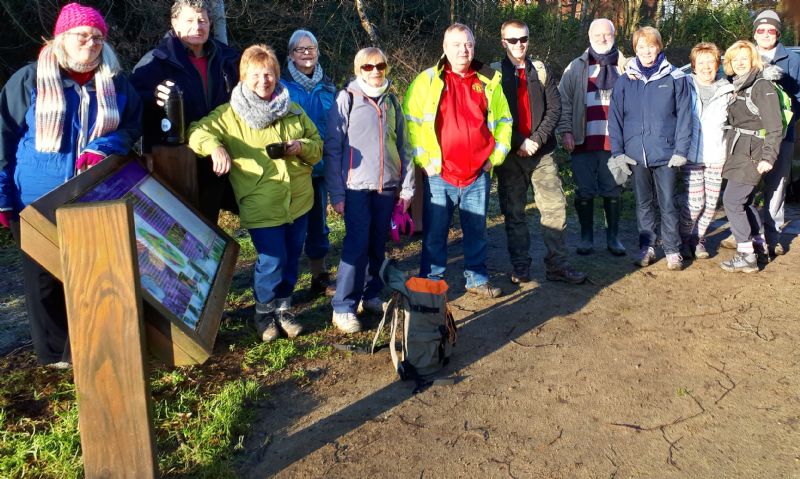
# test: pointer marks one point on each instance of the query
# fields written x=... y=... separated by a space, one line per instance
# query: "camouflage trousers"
x=514 y=177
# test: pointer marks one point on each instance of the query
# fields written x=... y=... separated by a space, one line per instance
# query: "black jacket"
x=746 y=151
x=170 y=60
x=544 y=100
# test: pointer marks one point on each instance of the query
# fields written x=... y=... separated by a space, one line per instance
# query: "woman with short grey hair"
x=311 y=89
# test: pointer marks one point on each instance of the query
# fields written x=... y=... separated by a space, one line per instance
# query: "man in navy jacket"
x=205 y=70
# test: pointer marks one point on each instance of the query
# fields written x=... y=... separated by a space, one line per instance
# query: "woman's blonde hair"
x=649 y=34
x=733 y=50
x=704 y=48
x=365 y=54
x=259 y=55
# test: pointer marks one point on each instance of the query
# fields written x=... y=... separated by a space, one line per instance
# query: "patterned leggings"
x=703 y=184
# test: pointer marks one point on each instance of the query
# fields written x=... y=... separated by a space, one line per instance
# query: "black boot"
x=585 y=210
x=613 y=207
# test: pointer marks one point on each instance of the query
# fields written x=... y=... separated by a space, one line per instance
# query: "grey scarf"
x=257 y=113
x=303 y=79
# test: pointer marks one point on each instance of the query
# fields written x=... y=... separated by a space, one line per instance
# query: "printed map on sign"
x=178 y=253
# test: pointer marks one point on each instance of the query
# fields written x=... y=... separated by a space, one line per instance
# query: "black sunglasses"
x=367 y=67
x=514 y=41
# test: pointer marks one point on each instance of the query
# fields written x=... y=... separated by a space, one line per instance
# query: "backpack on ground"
x=783 y=98
x=419 y=312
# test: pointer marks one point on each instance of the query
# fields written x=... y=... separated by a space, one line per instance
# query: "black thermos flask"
x=172 y=123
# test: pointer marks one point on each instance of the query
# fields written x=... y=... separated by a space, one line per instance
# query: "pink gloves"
x=401 y=222
x=87 y=159
x=5 y=218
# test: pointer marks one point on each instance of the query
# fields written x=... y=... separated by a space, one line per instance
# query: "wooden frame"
x=169 y=337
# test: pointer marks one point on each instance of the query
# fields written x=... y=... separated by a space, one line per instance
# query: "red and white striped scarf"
x=51 y=106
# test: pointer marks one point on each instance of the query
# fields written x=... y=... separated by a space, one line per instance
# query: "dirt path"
x=643 y=373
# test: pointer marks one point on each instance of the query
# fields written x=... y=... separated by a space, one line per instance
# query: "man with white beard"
x=585 y=90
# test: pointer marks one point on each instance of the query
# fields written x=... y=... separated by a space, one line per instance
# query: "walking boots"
x=613 y=207
x=585 y=210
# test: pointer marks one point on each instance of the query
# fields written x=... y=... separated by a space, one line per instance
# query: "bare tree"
x=366 y=24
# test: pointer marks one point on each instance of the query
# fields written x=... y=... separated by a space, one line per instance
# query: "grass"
x=201 y=413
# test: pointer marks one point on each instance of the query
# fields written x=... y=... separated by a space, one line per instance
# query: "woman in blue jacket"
x=650 y=127
x=310 y=88
x=58 y=116
x=368 y=171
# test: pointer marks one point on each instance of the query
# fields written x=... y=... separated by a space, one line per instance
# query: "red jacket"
x=461 y=129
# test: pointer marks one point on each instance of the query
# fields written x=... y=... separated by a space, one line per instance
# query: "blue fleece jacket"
x=315 y=103
x=650 y=119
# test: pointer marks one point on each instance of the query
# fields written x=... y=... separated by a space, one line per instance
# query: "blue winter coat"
x=27 y=174
x=789 y=62
x=315 y=103
x=650 y=120
x=170 y=61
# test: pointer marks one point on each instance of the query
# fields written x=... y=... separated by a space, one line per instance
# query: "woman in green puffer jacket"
x=274 y=192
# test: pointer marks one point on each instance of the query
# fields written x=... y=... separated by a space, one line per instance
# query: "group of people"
x=274 y=144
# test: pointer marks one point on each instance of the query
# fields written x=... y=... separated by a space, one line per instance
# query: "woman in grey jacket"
x=753 y=140
x=702 y=175
x=368 y=170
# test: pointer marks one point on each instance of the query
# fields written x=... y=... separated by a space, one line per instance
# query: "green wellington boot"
x=585 y=210
x=612 y=207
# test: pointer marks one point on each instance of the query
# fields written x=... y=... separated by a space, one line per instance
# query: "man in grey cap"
x=766 y=33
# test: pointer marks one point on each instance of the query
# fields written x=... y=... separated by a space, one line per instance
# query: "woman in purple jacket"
x=368 y=170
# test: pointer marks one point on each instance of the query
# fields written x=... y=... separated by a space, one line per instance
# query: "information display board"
x=186 y=264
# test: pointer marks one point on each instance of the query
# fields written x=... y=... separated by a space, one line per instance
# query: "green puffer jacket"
x=269 y=192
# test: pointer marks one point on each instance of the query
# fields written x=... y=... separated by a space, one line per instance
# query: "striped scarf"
x=303 y=79
x=51 y=105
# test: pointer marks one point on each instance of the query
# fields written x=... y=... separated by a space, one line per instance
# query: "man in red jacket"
x=459 y=127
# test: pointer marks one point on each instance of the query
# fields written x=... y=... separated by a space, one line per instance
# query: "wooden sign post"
x=185 y=263
x=177 y=167
x=107 y=338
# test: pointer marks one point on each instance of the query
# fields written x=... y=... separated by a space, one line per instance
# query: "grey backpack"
x=419 y=312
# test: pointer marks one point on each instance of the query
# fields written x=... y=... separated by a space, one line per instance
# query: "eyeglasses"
x=84 y=37
x=769 y=31
x=367 y=67
x=514 y=41
x=304 y=49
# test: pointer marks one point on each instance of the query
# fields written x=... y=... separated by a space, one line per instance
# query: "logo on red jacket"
x=478 y=87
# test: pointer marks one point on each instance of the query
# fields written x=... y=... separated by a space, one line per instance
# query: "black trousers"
x=47 y=312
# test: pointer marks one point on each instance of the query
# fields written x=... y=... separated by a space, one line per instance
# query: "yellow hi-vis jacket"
x=421 y=104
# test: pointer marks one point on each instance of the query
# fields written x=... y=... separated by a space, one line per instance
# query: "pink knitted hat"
x=76 y=15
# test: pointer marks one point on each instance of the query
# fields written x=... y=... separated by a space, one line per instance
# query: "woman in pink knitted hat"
x=59 y=116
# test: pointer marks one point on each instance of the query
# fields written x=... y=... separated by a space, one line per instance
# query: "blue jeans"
x=279 y=249
x=651 y=184
x=317 y=244
x=440 y=199
x=592 y=176
x=367 y=215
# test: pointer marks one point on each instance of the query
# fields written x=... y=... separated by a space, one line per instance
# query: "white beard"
x=599 y=51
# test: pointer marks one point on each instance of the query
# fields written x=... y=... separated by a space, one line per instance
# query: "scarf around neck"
x=741 y=82
x=303 y=79
x=371 y=91
x=256 y=112
x=608 y=67
x=647 y=72
x=51 y=105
